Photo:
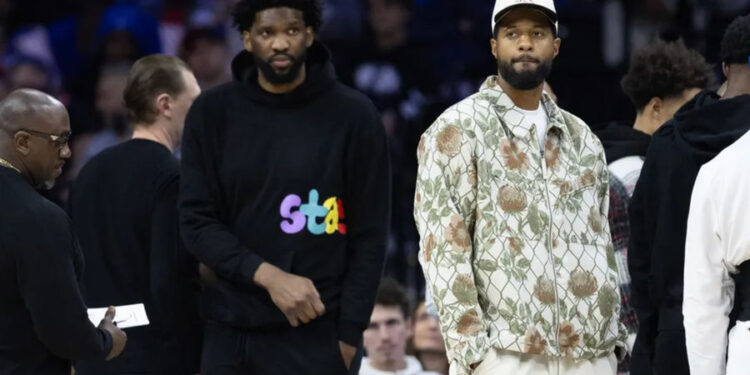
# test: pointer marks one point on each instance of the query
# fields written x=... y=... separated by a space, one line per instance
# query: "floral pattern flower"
x=449 y=141
x=533 y=342
x=512 y=199
x=458 y=234
x=582 y=284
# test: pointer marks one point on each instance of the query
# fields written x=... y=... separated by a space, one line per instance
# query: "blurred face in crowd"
x=120 y=46
x=387 y=16
x=208 y=59
x=524 y=48
x=385 y=337
x=44 y=145
x=28 y=75
x=109 y=102
x=279 y=41
x=427 y=337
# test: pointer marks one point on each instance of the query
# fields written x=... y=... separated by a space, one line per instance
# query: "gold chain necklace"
x=6 y=164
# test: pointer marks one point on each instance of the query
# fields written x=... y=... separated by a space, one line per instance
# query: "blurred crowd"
x=413 y=58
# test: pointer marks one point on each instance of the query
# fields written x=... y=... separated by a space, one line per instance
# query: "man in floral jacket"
x=511 y=204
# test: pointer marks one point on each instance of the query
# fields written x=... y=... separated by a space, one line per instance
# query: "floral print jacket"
x=515 y=242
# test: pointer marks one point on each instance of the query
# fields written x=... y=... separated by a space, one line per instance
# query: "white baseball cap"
x=546 y=7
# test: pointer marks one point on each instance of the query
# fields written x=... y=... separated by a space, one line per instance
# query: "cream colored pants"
x=499 y=362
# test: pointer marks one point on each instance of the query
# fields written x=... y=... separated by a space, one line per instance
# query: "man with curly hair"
x=662 y=77
x=658 y=211
x=285 y=200
x=511 y=205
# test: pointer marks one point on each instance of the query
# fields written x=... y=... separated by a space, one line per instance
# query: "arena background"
x=414 y=58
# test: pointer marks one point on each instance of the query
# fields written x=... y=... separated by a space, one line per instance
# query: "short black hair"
x=391 y=294
x=735 y=47
x=243 y=14
x=664 y=70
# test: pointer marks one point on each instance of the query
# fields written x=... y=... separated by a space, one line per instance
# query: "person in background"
x=717 y=265
x=124 y=209
x=386 y=337
x=658 y=211
x=42 y=314
x=111 y=117
x=661 y=78
x=428 y=342
x=717 y=251
x=206 y=52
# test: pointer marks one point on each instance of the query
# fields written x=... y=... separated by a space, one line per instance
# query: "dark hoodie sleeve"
x=49 y=286
x=205 y=236
x=639 y=263
x=367 y=213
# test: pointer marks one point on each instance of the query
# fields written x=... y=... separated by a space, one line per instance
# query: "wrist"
x=265 y=274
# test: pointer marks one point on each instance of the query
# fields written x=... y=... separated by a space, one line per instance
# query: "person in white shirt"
x=717 y=249
x=717 y=260
x=386 y=336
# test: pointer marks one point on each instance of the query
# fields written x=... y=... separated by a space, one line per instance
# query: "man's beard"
x=280 y=78
x=526 y=79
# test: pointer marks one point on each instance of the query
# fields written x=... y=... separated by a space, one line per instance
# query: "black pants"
x=310 y=349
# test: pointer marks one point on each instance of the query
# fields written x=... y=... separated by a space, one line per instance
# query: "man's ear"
x=655 y=108
x=725 y=69
x=557 y=44
x=409 y=327
x=493 y=47
x=310 y=36
x=246 y=41
x=21 y=141
x=163 y=104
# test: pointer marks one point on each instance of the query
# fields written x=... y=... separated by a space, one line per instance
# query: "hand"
x=119 y=338
x=347 y=353
x=294 y=295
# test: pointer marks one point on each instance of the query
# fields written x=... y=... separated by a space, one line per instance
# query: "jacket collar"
x=510 y=115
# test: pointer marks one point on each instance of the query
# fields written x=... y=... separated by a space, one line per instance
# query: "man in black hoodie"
x=659 y=208
x=285 y=199
x=661 y=78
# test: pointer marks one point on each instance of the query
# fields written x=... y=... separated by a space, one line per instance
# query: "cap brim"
x=550 y=15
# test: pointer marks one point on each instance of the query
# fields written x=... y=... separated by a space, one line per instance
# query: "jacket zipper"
x=549 y=245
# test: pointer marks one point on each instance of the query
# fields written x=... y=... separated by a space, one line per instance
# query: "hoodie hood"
x=320 y=76
x=621 y=140
x=708 y=124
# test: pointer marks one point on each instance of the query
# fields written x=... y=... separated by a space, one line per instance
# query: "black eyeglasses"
x=58 y=140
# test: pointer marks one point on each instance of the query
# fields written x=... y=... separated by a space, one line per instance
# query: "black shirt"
x=124 y=210
x=43 y=320
x=299 y=180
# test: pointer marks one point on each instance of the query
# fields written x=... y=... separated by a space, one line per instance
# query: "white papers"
x=126 y=316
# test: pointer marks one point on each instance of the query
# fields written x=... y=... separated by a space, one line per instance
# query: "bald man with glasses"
x=43 y=320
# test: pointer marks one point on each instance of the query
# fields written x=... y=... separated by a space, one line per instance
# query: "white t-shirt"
x=413 y=367
x=539 y=118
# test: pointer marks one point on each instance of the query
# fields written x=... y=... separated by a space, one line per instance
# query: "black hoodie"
x=299 y=180
x=659 y=209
